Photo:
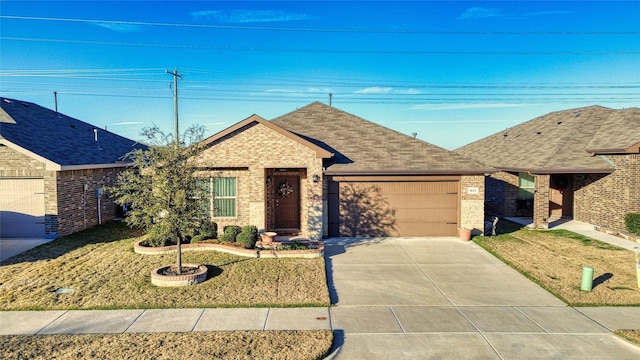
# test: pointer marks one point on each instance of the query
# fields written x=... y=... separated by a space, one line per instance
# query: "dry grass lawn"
x=554 y=259
x=298 y=345
x=631 y=335
x=100 y=266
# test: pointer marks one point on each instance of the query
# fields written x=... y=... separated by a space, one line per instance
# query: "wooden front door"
x=561 y=195
x=287 y=201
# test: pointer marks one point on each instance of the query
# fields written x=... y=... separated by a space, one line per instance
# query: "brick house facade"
x=53 y=169
x=580 y=164
x=261 y=155
x=255 y=152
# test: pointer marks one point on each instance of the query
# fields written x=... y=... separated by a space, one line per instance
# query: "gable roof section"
x=320 y=152
x=60 y=141
x=557 y=142
x=619 y=134
x=363 y=147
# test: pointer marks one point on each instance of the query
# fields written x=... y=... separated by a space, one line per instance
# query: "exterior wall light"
x=316 y=178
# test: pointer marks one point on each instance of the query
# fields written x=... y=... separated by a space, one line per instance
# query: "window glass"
x=527 y=186
x=224 y=197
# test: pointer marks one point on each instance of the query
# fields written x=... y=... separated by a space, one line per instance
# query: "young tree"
x=162 y=190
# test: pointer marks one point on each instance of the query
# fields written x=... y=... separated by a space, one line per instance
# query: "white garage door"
x=21 y=208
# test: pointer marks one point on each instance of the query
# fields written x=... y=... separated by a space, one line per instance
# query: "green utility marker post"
x=587 y=279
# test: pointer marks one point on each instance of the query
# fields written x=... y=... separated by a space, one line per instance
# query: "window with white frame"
x=527 y=186
x=224 y=197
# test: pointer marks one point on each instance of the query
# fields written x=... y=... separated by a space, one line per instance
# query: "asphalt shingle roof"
x=560 y=141
x=361 y=146
x=59 y=138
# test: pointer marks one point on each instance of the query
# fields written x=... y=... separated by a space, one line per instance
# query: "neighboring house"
x=52 y=171
x=580 y=163
x=320 y=171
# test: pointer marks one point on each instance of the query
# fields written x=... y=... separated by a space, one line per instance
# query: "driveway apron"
x=441 y=298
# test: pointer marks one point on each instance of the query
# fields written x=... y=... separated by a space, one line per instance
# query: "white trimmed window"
x=527 y=186
x=224 y=197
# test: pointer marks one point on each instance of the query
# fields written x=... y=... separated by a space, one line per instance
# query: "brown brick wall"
x=502 y=193
x=256 y=150
x=63 y=192
x=77 y=209
x=604 y=199
x=541 y=202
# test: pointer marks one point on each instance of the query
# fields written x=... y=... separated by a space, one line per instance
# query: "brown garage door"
x=393 y=208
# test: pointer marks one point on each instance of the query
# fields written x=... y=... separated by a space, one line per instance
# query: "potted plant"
x=464 y=233
x=268 y=237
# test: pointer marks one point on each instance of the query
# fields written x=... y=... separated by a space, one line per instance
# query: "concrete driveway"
x=441 y=298
x=13 y=246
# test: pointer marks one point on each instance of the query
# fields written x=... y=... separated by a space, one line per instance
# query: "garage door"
x=393 y=208
x=21 y=208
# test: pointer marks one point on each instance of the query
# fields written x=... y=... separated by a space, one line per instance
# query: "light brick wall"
x=604 y=199
x=15 y=164
x=254 y=152
x=472 y=205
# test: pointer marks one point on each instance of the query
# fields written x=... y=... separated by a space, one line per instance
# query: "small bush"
x=230 y=232
x=246 y=239
x=248 y=236
x=209 y=227
x=632 y=222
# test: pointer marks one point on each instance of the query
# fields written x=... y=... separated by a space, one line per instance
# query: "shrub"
x=632 y=222
x=246 y=239
x=248 y=236
x=230 y=232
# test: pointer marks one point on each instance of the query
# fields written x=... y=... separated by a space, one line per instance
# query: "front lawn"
x=295 y=345
x=554 y=259
x=97 y=269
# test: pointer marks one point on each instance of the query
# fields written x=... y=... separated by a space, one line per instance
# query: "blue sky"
x=452 y=72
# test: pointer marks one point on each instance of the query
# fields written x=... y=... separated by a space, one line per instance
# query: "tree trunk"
x=179 y=257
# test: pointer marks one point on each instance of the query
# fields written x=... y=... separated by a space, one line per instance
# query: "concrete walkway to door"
x=441 y=298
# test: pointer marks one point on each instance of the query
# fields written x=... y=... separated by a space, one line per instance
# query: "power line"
x=301 y=29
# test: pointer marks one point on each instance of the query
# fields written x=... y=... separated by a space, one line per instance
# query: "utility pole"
x=175 y=101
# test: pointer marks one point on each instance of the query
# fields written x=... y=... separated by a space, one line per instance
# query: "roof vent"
x=7 y=101
x=539 y=132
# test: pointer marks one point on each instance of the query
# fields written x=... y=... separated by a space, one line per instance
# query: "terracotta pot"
x=465 y=234
x=268 y=237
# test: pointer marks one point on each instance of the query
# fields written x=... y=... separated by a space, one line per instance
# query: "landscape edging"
x=254 y=253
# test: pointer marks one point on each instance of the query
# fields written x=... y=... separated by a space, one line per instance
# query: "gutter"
x=559 y=171
x=409 y=172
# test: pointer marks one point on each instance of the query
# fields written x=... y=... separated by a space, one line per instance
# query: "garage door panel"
x=426 y=215
x=420 y=208
x=421 y=201
x=21 y=208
